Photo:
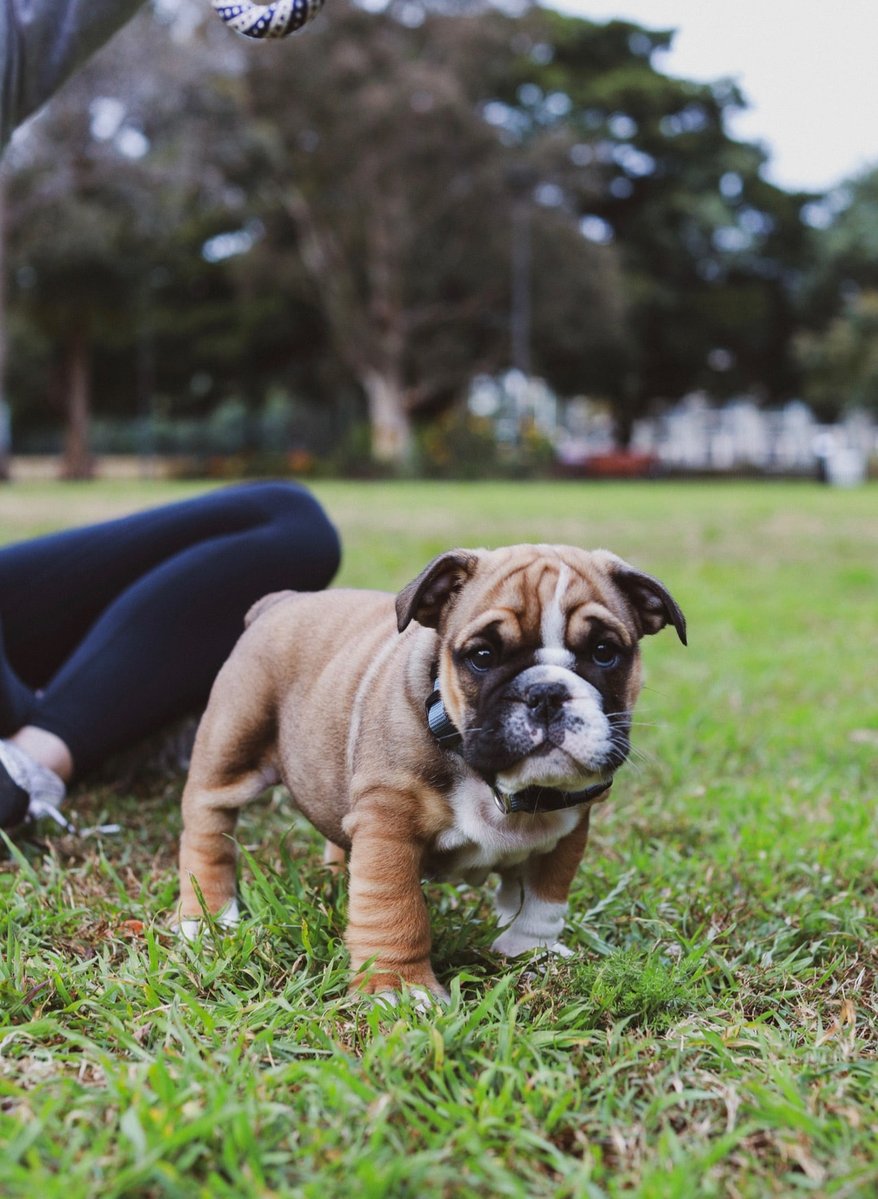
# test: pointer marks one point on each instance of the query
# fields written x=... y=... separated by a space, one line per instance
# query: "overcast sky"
x=809 y=69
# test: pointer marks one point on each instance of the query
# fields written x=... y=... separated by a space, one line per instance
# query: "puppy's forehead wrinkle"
x=566 y=580
x=525 y=576
x=482 y=622
x=595 y=612
x=513 y=590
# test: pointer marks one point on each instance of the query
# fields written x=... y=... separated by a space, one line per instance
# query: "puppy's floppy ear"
x=425 y=597
x=653 y=604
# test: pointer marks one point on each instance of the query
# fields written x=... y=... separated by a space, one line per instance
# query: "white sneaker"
x=45 y=789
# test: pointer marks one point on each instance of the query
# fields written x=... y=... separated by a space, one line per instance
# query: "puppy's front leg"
x=388 y=926
x=532 y=901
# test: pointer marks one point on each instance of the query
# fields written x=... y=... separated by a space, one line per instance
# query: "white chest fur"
x=483 y=839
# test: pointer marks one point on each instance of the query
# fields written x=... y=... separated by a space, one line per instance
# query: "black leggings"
x=110 y=631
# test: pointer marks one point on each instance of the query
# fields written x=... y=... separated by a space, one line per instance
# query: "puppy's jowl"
x=461 y=728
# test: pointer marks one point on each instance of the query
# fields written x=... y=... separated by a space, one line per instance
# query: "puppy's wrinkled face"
x=539 y=664
x=540 y=673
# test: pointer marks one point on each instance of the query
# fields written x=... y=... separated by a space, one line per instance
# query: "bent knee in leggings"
x=300 y=524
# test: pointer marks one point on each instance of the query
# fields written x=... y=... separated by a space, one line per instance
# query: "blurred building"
x=514 y=402
x=694 y=435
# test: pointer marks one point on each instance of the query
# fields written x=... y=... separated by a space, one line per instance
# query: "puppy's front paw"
x=537 y=925
x=190 y=928
x=386 y=986
x=512 y=944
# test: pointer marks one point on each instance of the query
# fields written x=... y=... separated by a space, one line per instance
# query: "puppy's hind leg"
x=334 y=857
x=208 y=854
x=230 y=767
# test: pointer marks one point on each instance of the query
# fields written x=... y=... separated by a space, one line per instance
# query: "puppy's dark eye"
x=481 y=658
x=605 y=654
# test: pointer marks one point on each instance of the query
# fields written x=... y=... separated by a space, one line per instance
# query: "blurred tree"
x=840 y=363
x=711 y=253
x=75 y=274
x=844 y=257
x=399 y=198
x=5 y=422
x=838 y=348
x=105 y=189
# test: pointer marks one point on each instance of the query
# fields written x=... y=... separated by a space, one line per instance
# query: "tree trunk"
x=368 y=330
x=5 y=435
x=77 y=462
x=389 y=419
x=382 y=379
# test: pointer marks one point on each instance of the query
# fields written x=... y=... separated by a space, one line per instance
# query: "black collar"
x=440 y=723
x=547 y=799
x=531 y=799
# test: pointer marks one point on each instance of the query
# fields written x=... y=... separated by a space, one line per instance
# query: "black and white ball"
x=267 y=20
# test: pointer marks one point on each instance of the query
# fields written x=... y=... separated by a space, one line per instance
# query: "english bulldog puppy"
x=461 y=728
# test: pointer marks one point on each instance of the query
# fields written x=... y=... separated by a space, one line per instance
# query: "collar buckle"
x=501 y=801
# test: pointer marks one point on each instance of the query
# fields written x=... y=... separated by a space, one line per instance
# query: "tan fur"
x=334 y=857
x=549 y=875
x=324 y=694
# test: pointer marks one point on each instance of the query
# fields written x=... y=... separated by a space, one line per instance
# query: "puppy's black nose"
x=545 y=700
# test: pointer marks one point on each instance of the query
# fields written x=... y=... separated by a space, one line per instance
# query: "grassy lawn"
x=714 y=1035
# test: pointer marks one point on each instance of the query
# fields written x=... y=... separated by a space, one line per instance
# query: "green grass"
x=714 y=1035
